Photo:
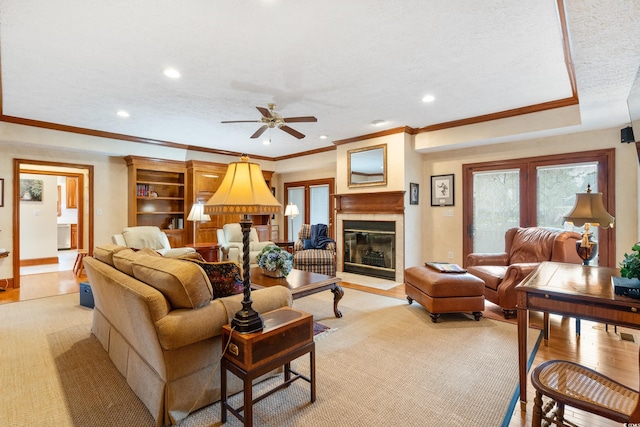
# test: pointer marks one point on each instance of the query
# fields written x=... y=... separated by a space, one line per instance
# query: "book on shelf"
x=445 y=267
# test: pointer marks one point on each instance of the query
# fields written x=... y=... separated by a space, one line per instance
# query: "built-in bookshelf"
x=157 y=196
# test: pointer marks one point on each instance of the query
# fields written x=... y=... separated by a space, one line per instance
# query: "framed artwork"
x=442 y=190
x=31 y=190
x=414 y=193
x=1 y=192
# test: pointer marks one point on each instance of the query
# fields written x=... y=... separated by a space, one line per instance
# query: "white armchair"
x=148 y=237
x=230 y=239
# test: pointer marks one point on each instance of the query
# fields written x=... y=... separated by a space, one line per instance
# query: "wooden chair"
x=568 y=383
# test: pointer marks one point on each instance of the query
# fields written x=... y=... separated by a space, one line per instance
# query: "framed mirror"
x=367 y=166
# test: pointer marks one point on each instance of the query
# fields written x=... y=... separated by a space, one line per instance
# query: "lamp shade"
x=243 y=191
x=291 y=210
x=589 y=208
x=197 y=213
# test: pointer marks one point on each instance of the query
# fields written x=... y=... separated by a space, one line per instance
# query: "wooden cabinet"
x=162 y=192
x=203 y=180
x=157 y=196
x=74 y=236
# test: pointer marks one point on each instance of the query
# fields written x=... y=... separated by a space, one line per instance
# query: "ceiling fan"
x=271 y=119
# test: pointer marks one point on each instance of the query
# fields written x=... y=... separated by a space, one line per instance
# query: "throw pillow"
x=307 y=244
x=225 y=277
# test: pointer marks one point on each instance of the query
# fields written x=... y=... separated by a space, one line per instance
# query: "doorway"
x=81 y=176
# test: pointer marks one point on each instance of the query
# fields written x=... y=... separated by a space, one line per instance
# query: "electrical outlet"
x=450 y=255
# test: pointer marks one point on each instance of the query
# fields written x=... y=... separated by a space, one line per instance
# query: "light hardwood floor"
x=596 y=348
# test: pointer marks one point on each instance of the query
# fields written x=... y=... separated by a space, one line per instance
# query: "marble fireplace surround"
x=382 y=206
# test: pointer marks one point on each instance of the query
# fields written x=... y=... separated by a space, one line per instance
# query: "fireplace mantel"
x=388 y=202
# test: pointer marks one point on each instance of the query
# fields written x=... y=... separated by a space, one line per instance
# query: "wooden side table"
x=209 y=251
x=286 y=245
x=287 y=335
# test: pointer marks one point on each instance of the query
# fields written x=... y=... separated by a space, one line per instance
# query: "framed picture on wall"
x=1 y=192
x=414 y=193
x=442 y=190
x=31 y=190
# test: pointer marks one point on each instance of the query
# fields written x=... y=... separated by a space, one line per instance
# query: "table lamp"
x=588 y=210
x=291 y=211
x=244 y=191
x=197 y=215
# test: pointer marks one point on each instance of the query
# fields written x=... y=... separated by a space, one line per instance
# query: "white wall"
x=38 y=221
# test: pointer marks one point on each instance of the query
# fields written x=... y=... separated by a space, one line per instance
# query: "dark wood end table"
x=301 y=283
x=209 y=251
x=287 y=335
x=286 y=245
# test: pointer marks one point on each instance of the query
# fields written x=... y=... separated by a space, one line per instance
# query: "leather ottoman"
x=444 y=292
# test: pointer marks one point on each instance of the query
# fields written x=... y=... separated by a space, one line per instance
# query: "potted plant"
x=628 y=283
x=275 y=261
x=630 y=265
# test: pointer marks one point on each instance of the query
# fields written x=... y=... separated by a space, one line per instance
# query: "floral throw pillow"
x=225 y=277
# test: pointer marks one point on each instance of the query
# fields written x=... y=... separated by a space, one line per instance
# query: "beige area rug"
x=371 y=282
x=384 y=363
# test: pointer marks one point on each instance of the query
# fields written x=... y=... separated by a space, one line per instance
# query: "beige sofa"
x=156 y=319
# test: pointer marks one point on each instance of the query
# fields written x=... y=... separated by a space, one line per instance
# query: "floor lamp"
x=244 y=191
x=197 y=215
x=588 y=210
x=291 y=211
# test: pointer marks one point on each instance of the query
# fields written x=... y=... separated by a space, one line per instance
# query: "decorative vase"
x=272 y=273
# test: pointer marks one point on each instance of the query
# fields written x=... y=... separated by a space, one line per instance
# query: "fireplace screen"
x=369 y=248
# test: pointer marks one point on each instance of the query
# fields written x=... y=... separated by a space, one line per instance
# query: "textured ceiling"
x=77 y=62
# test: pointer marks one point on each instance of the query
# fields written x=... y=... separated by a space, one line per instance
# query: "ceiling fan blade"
x=265 y=112
x=259 y=131
x=300 y=119
x=241 y=121
x=293 y=132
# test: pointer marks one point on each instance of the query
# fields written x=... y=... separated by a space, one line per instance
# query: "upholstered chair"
x=321 y=261
x=525 y=249
x=147 y=236
x=232 y=247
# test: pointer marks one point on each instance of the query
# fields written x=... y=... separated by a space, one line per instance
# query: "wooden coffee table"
x=301 y=283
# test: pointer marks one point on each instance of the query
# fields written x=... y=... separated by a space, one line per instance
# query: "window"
x=313 y=199
x=534 y=192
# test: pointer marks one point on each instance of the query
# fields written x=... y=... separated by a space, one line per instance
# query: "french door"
x=313 y=199
x=534 y=192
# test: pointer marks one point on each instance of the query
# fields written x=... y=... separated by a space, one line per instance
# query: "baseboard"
x=38 y=261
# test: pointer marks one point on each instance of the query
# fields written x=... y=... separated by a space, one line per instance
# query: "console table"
x=571 y=290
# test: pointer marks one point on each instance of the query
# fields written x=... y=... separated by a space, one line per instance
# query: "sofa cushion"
x=491 y=274
x=123 y=260
x=532 y=244
x=105 y=252
x=224 y=277
x=143 y=237
x=184 y=284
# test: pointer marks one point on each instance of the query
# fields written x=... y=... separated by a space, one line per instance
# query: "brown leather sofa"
x=525 y=249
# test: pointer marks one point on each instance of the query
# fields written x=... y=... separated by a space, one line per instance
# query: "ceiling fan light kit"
x=271 y=119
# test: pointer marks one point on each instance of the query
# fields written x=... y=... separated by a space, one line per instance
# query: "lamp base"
x=587 y=253
x=247 y=321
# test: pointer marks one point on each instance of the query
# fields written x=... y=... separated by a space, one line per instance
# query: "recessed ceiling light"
x=323 y=137
x=123 y=113
x=428 y=98
x=172 y=73
x=266 y=142
x=378 y=122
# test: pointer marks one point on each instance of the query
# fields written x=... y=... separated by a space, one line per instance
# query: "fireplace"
x=362 y=213
x=370 y=248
